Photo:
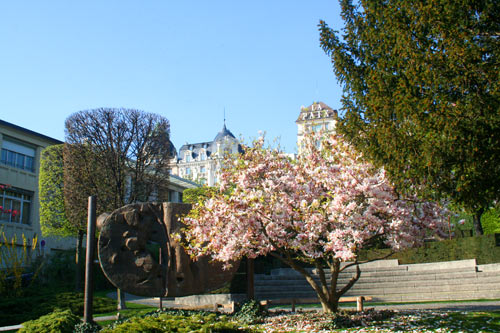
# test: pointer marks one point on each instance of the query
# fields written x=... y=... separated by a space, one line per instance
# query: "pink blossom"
x=327 y=203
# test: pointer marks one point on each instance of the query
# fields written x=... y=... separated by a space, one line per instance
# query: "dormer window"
x=189 y=157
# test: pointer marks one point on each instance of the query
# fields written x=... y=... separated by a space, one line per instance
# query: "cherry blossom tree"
x=320 y=209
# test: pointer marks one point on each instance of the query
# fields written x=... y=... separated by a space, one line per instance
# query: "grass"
x=402 y=321
x=133 y=309
x=368 y=304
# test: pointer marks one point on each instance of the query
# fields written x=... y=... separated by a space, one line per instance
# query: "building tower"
x=316 y=117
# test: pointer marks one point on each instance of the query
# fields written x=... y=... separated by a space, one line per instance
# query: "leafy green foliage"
x=198 y=195
x=15 y=310
x=53 y=220
x=165 y=322
x=251 y=312
x=15 y=262
x=482 y=248
x=86 y=328
x=421 y=93
x=491 y=221
x=58 y=321
x=346 y=319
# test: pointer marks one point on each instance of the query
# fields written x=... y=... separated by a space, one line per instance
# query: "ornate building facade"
x=314 y=118
x=200 y=162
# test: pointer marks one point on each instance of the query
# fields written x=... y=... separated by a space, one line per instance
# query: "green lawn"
x=368 y=304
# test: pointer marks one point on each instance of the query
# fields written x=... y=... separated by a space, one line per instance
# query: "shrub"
x=199 y=194
x=20 y=309
x=16 y=266
x=166 y=322
x=481 y=248
x=86 y=328
x=251 y=312
x=347 y=319
x=491 y=221
x=58 y=321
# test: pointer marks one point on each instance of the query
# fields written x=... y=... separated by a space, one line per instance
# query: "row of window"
x=15 y=206
x=319 y=127
x=189 y=157
x=202 y=170
x=18 y=155
x=17 y=160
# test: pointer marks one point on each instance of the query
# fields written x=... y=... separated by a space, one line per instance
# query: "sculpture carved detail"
x=138 y=255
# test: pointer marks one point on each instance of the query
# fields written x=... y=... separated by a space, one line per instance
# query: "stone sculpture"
x=138 y=254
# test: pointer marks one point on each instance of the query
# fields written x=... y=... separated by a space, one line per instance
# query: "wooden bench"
x=294 y=301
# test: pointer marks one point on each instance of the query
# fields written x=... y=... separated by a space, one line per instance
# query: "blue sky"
x=185 y=60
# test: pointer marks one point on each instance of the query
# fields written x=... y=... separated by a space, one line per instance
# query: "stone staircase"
x=387 y=281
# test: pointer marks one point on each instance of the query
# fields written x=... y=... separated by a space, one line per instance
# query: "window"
x=203 y=155
x=317 y=128
x=203 y=169
x=188 y=156
x=188 y=171
x=17 y=155
x=15 y=206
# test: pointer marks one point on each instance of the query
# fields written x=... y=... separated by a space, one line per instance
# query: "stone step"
x=464 y=286
x=389 y=273
x=453 y=279
x=409 y=297
x=484 y=283
x=449 y=277
x=391 y=283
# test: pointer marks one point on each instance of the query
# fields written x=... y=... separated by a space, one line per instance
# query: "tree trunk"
x=78 y=261
x=478 y=228
x=329 y=298
x=331 y=306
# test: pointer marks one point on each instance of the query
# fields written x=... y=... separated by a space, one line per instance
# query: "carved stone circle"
x=139 y=256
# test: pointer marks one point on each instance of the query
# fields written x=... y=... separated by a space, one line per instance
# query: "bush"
x=167 y=322
x=481 y=248
x=59 y=268
x=58 y=321
x=198 y=195
x=491 y=221
x=251 y=312
x=18 y=269
x=20 y=309
x=86 y=328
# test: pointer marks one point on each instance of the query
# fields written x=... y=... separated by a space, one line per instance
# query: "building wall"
x=23 y=181
x=315 y=118
x=201 y=162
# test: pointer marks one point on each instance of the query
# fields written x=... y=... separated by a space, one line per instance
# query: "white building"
x=314 y=118
x=201 y=162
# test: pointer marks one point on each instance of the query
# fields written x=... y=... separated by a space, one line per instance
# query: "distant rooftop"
x=317 y=110
x=22 y=129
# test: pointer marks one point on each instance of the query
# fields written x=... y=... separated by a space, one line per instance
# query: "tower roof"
x=317 y=110
x=224 y=133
